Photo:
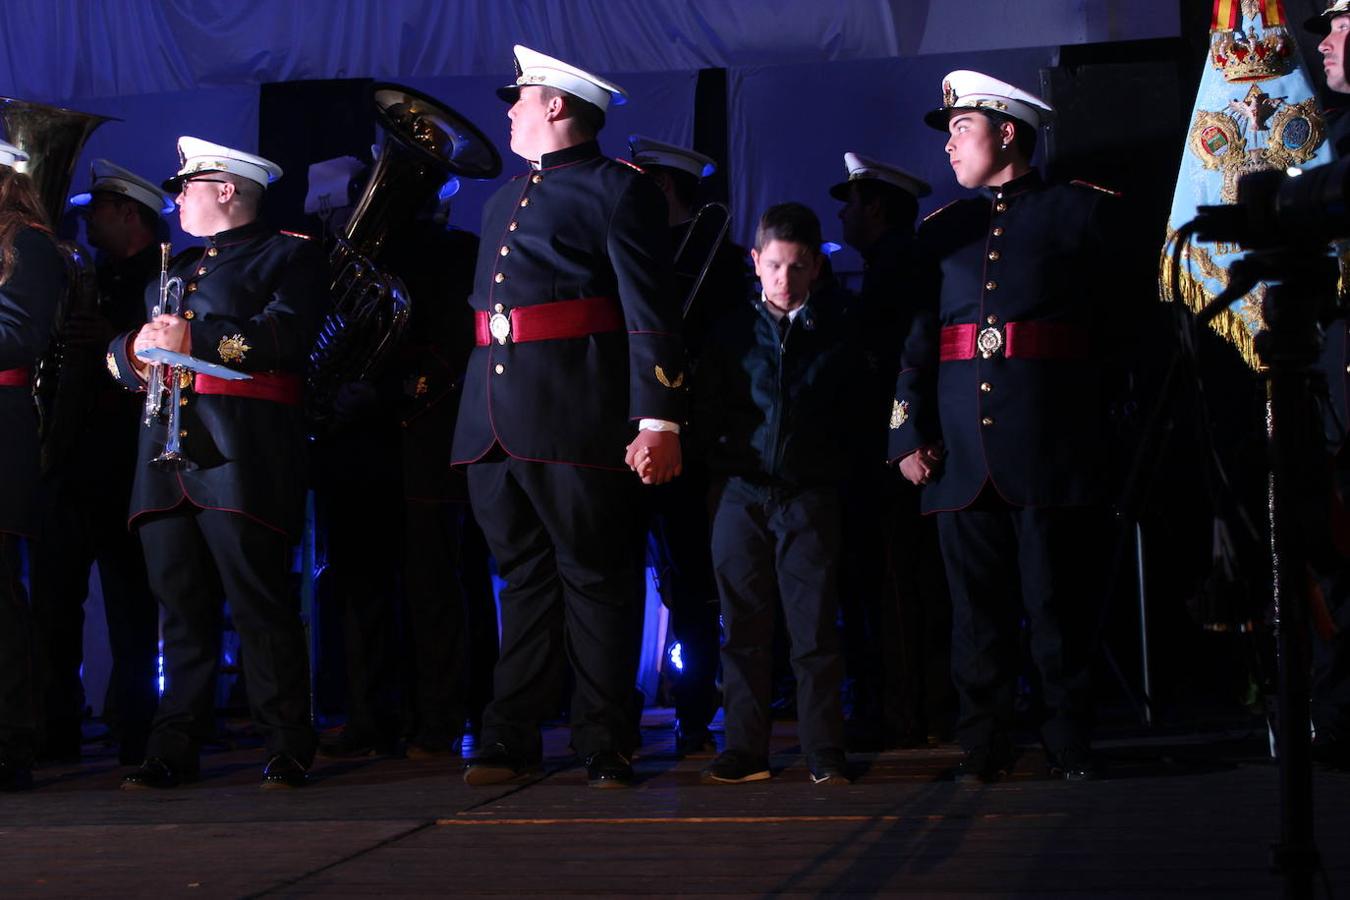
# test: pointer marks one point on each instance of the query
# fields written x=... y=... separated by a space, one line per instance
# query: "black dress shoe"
x=608 y=769
x=497 y=765
x=984 y=764
x=14 y=778
x=283 y=772
x=1074 y=764
x=693 y=742
x=153 y=774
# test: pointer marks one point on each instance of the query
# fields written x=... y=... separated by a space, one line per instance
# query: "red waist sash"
x=1015 y=340
x=278 y=387
x=550 y=321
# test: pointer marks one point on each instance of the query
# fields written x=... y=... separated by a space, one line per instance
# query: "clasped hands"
x=923 y=465
x=655 y=456
x=165 y=332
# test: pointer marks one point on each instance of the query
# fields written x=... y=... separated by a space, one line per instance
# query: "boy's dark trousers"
x=770 y=543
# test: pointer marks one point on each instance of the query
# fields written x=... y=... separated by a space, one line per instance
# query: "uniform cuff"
x=658 y=425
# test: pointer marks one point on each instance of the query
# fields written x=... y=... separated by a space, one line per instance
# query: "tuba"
x=425 y=143
x=53 y=139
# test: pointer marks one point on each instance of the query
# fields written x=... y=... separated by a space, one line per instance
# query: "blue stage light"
x=676 y=654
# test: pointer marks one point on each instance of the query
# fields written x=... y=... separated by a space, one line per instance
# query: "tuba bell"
x=425 y=142
x=53 y=138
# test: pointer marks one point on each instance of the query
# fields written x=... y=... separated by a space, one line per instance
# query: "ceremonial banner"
x=1256 y=110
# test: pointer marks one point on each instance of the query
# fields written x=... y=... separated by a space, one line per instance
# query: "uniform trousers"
x=1330 y=685
x=83 y=526
x=680 y=548
x=437 y=618
x=16 y=659
x=568 y=542
x=1005 y=563
x=771 y=544
x=197 y=559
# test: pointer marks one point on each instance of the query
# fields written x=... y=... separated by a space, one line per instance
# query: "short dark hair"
x=148 y=217
x=899 y=208
x=1024 y=134
x=684 y=184
x=792 y=223
x=589 y=116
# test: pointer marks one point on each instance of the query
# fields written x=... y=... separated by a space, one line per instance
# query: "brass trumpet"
x=164 y=400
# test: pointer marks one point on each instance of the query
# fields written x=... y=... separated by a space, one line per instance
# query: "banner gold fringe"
x=1228 y=325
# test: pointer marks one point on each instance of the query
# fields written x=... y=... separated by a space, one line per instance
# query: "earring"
x=1004 y=146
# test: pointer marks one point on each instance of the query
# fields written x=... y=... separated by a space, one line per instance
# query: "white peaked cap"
x=533 y=67
x=648 y=152
x=860 y=168
x=9 y=154
x=964 y=89
x=196 y=156
x=107 y=177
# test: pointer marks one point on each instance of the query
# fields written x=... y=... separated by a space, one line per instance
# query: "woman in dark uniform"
x=32 y=278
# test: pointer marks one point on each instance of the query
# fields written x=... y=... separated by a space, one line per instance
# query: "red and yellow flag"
x=1228 y=14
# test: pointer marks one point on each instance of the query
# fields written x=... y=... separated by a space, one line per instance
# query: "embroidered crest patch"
x=232 y=348
x=899 y=413
x=112 y=366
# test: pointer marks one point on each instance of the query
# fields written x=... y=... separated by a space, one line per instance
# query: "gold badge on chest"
x=232 y=348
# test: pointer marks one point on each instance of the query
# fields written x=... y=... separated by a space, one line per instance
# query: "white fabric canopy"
x=66 y=50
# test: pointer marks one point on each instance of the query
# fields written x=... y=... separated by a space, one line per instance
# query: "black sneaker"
x=983 y=765
x=829 y=767
x=1073 y=764
x=608 y=769
x=736 y=767
x=497 y=765
x=283 y=772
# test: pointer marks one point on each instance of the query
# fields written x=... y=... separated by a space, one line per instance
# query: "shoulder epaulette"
x=940 y=209
x=1096 y=187
x=296 y=234
x=632 y=165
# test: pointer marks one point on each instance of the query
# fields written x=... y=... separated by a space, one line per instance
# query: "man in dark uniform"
x=32 y=278
x=223 y=526
x=680 y=541
x=578 y=350
x=890 y=596
x=88 y=486
x=999 y=415
x=1331 y=653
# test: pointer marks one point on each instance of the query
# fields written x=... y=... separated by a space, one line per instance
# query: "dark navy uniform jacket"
x=254 y=298
x=581 y=226
x=436 y=265
x=28 y=302
x=1335 y=359
x=1034 y=429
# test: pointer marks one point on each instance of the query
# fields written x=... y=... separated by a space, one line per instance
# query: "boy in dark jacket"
x=773 y=415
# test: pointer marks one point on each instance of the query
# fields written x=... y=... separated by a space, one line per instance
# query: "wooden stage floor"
x=1179 y=815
